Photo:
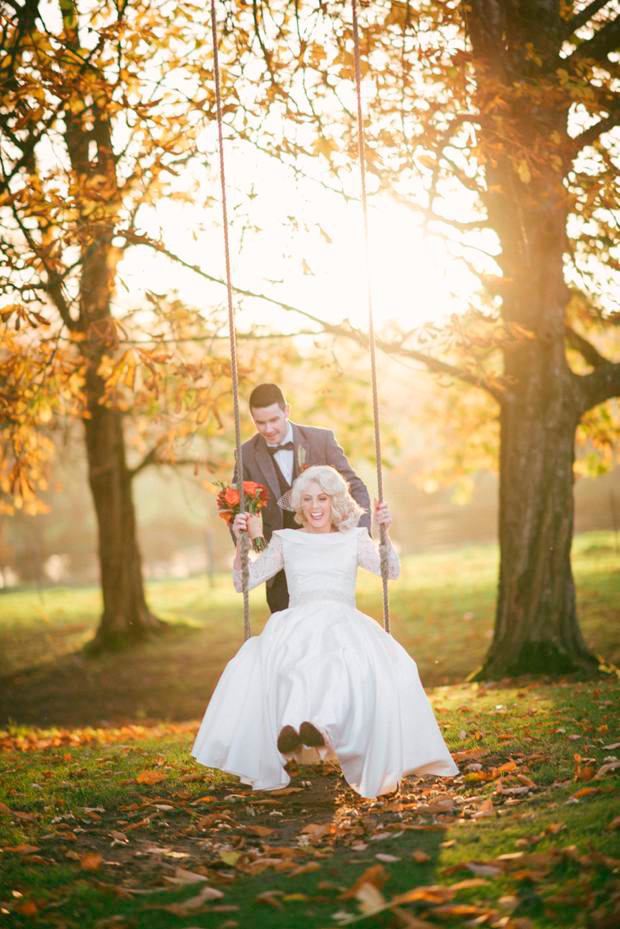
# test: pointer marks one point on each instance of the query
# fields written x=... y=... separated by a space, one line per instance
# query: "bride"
x=322 y=679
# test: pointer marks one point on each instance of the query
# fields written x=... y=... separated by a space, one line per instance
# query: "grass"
x=442 y=612
x=100 y=849
x=104 y=816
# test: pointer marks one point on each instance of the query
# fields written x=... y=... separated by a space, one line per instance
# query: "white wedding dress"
x=323 y=661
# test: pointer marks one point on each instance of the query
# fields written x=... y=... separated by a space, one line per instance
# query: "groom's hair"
x=265 y=395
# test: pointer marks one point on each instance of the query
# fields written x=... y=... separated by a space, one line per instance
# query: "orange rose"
x=231 y=496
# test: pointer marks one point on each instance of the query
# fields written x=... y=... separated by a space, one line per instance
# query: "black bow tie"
x=287 y=446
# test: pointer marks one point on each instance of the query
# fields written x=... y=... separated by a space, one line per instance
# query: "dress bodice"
x=319 y=565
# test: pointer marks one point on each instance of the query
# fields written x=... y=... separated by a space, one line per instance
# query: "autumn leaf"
x=317 y=830
x=375 y=875
x=369 y=898
x=91 y=861
x=183 y=876
x=193 y=903
x=307 y=868
x=150 y=777
x=431 y=893
x=261 y=831
x=230 y=858
x=585 y=768
x=21 y=849
x=26 y=908
x=420 y=856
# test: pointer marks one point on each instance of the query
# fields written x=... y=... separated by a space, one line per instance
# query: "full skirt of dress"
x=330 y=664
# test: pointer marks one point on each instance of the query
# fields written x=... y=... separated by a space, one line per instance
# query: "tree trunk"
x=126 y=617
x=527 y=156
x=536 y=627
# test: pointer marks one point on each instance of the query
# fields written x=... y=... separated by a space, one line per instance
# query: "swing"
x=232 y=330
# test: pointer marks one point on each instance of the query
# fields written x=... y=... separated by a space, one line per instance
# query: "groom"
x=275 y=456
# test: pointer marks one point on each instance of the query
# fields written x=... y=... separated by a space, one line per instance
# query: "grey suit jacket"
x=320 y=448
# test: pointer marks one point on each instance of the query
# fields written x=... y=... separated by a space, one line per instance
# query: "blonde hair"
x=345 y=511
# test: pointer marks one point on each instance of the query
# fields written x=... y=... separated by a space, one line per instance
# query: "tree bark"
x=126 y=617
x=536 y=627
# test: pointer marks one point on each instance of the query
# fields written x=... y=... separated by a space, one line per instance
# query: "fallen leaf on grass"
x=91 y=861
x=182 y=876
x=21 y=849
x=384 y=856
x=27 y=908
x=606 y=769
x=205 y=799
x=261 y=831
x=420 y=856
x=370 y=899
x=375 y=875
x=585 y=768
x=458 y=910
x=317 y=830
x=193 y=903
x=142 y=822
x=270 y=898
x=483 y=870
x=431 y=893
x=230 y=858
x=585 y=792
x=615 y=823
x=306 y=868
x=150 y=777
x=468 y=883
x=285 y=791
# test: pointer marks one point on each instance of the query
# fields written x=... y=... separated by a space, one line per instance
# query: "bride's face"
x=316 y=508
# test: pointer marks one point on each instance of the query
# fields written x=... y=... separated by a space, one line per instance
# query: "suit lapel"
x=266 y=465
x=302 y=451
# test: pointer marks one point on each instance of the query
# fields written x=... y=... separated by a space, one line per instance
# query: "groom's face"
x=271 y=422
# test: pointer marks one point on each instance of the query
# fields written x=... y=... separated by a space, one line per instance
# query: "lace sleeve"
x=268 y=563
x=368 y=556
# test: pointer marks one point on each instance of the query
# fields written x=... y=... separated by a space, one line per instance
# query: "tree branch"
x=606 y=40
x=588 y=136
x=151 y=458
x=581 y=18
x=433 y=364
x=601 y=385
x=585 y=348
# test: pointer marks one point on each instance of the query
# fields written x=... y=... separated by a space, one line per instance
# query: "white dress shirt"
x=285 y=457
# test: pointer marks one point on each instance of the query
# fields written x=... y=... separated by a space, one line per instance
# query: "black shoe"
x=311 y=736
x=289 y=740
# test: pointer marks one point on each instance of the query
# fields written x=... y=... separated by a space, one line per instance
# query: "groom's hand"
x=240 y=524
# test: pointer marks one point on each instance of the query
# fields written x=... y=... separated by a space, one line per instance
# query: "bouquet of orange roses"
x=228 y=500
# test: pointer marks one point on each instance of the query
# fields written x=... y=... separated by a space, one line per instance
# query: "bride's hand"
x=383 y=515
x=247 y=522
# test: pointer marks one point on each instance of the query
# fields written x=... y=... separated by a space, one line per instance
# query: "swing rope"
x=232 y=329
x=361 y=150
x=234 y=369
